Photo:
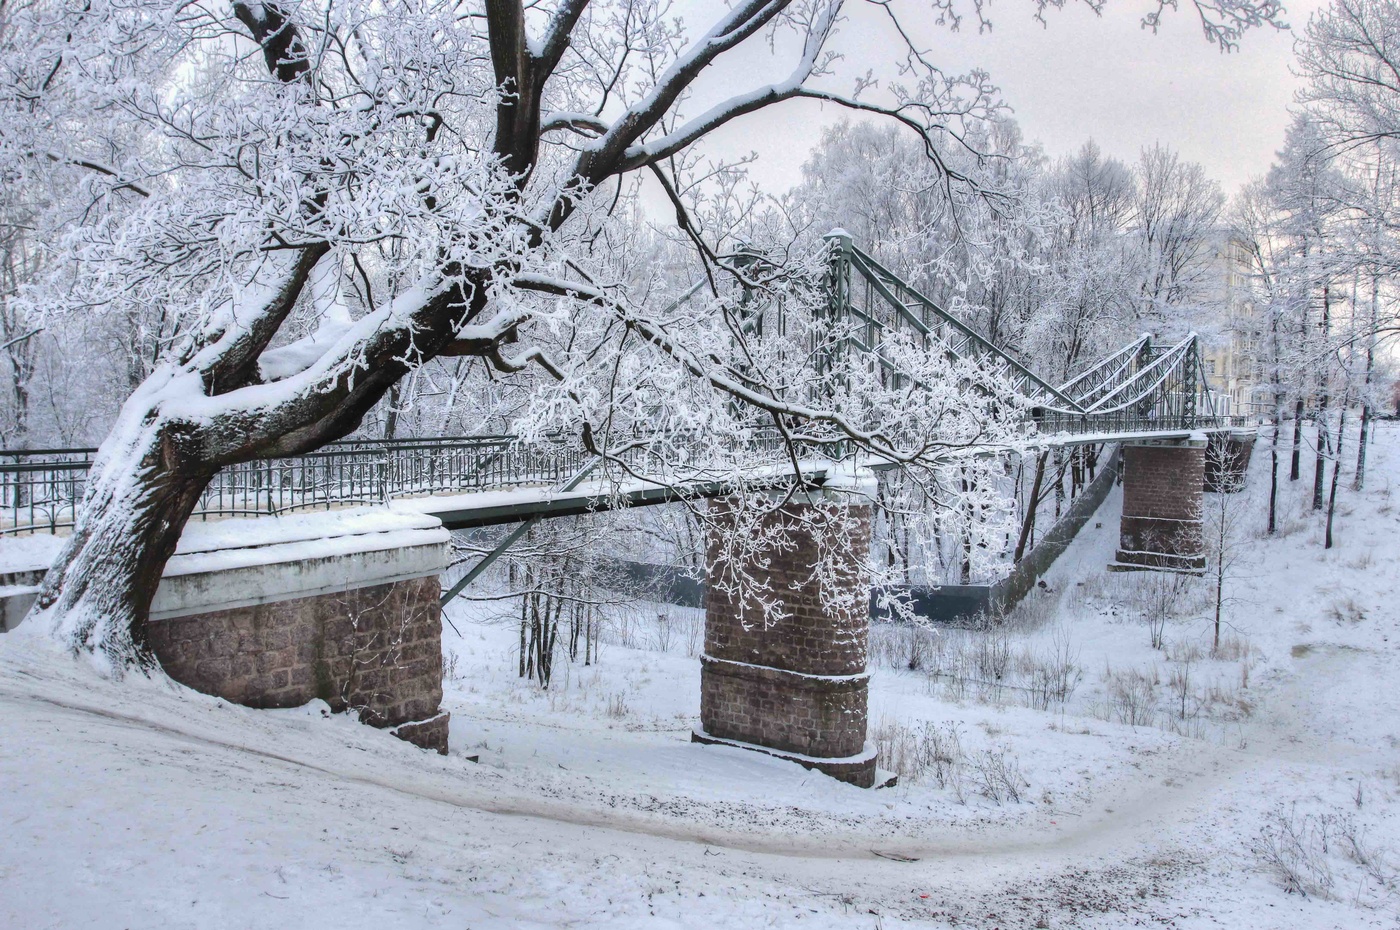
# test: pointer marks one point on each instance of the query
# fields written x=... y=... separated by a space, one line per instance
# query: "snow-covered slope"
x=141 y=804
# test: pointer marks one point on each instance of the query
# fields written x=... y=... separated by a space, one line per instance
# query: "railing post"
x=1191 y=383
x=744 y=259
x=838 y=280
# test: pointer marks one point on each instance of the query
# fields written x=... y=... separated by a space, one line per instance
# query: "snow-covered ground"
x=1276 y=763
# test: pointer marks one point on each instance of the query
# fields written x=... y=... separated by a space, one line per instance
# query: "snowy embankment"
x=1162 y=787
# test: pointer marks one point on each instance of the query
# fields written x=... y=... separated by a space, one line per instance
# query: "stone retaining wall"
x=376 y=650
x=277 y=611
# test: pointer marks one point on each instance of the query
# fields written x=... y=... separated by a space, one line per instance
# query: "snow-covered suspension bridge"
x=1142 y=392
x=346 y=606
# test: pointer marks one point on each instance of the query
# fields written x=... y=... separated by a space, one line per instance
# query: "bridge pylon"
x=1161 y=525
x=791 y=681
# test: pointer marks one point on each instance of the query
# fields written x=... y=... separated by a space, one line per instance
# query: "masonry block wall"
x=341 y=606
x=1162 y=500
x=376 y=650
x=796 y=687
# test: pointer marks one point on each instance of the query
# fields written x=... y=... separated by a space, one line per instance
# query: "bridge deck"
x=494 y=508
x=469 y=482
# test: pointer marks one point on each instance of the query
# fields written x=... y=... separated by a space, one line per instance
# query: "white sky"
x=1078 y=77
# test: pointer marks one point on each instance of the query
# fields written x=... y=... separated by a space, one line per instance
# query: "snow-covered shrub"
x=1296 y=850
x=1345 y=611
x=932 y=754
x=1053 y=675
x=1161 y=597
x=1132 y=696
x=998 y=776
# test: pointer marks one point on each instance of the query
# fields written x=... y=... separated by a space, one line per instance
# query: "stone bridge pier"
x=1162 y=506
x=793 y=682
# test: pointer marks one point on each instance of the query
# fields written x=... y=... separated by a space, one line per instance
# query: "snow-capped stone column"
x=1162 y=498
x=793 y=682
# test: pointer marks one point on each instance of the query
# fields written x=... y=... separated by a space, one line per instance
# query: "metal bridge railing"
x=41 y=490
x=42 y=495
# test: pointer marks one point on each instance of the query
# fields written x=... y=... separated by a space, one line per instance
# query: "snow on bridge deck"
x=511 y=505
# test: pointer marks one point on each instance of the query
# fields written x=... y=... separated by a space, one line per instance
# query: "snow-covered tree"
x=1176 y=227
x=1349 y=55
x=311 y=200
x=1350 y=58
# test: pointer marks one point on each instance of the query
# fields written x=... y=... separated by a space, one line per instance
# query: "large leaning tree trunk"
x=178 y=429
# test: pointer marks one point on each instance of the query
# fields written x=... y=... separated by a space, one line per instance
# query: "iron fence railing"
x=42 y=489
x=41 y=496
x=1120 y=423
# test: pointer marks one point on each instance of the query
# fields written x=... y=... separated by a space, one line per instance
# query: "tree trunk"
x=1324 y=448
x=1336 y=471
x=1273 y=480
x=1028 y=523
x=1324 y=438
x=1360 y=480
x=97 y=595
x=588 y=636
x=1366 y=413
x=965 y=572
x=391 y=416
x=1219 y=599
x=1296 y=471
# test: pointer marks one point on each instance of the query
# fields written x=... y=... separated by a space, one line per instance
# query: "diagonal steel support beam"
x=513 y=537
x=880 y=277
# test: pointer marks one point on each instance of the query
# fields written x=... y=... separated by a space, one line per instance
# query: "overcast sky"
x=1078 y=77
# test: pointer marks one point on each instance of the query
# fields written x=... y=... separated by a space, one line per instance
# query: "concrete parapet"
x=278 y=611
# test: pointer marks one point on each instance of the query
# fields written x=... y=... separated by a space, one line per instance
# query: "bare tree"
x=1176 y=215
x=1351 y=63
x=1223 y=529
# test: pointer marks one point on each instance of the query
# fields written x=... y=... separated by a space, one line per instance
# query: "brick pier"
x=1162 y=498
x=795 y=686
